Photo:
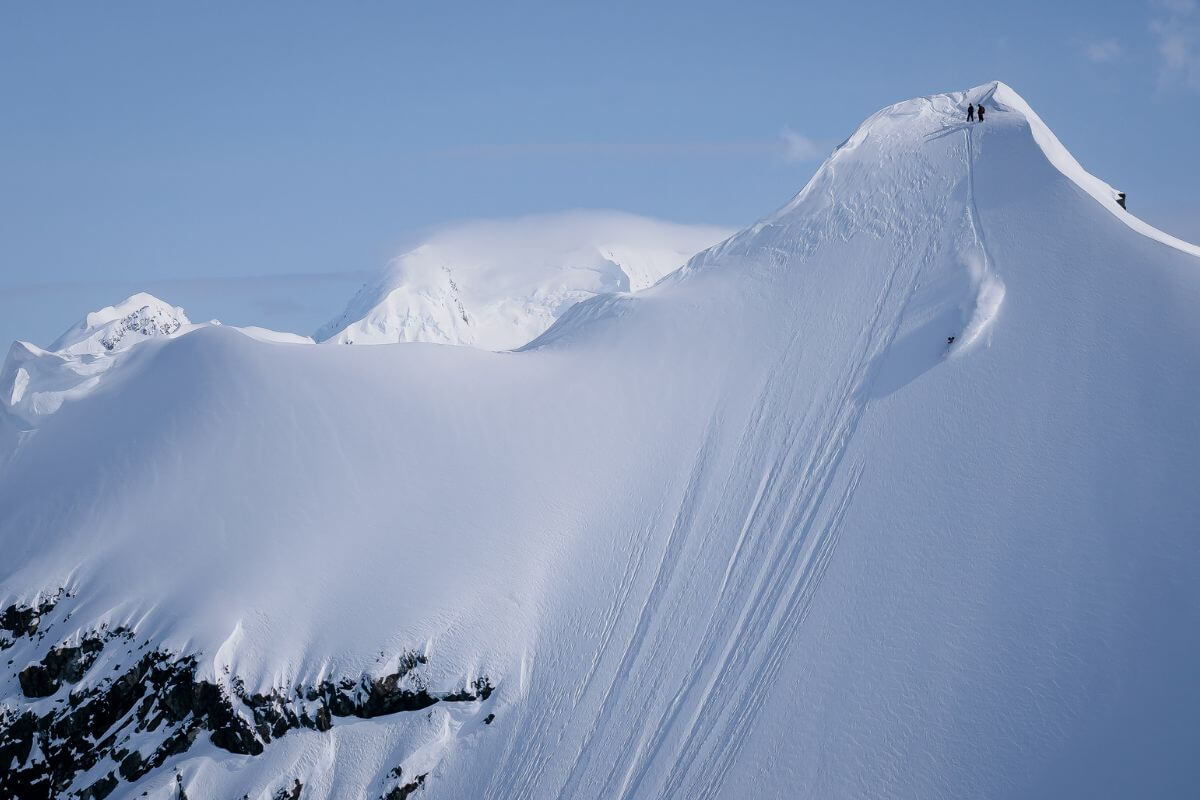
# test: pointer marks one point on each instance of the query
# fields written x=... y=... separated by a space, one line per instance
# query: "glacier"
x=758 y=530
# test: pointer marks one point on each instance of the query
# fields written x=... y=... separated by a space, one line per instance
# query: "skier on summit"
x=970 y=112
x=981 y=112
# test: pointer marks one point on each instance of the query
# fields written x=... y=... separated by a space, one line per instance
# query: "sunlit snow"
x=758 y=530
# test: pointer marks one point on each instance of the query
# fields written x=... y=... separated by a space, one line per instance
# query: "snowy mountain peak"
x=34 y=382
x=498 y=284
x=889 y=495
x=913 y=126
x=117 y=327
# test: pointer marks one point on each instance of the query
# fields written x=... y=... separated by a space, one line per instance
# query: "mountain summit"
x=35 y=382
x=891 y=494
x=497 y=284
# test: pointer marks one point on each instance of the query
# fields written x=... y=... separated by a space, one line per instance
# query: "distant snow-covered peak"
x=120 y=326
x=498 y=284
x=36 y=381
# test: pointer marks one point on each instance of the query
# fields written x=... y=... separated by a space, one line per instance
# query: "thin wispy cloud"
x=1181 y=7
x=1103 y=51
x=791 y=146
x=798 y=147
x=1176 y=28
x=598 y=148
x=215 y=283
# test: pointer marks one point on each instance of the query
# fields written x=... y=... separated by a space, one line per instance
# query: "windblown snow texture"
x=756 y=531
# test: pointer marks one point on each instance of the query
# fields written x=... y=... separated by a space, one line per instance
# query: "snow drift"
x=497 y=284
x=759 y=530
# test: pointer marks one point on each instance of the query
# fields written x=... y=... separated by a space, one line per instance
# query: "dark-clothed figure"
x=970 y=112
x=981 y=112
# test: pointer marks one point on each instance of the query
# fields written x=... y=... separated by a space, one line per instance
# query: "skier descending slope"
x=790 y=546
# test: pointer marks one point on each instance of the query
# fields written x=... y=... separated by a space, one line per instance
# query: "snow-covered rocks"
x=121 y=326
x=498 y=284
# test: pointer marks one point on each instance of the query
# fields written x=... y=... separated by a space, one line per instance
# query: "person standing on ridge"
x=970 y=112
x=981 y=112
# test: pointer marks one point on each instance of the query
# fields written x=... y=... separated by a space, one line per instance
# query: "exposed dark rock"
x=21 y=620
x=100 y=789
x=64 y=663
x=401 y=792
x=36 y=681
x=489 y=719
x=292 y=793
x=17 y=739
x=276 y=713
x=131 y=764
x=161 y=693
x=70 y=663
x=76 y=737
x=480 y=689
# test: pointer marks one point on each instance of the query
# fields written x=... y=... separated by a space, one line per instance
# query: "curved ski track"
x=779 y=531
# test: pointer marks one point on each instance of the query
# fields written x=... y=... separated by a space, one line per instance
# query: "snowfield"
x=758 y=530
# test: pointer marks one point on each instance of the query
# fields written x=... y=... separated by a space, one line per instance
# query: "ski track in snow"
x=778 y=576
x=973 y=207
x=785 y=543
x=989 y=288
x=788 y=534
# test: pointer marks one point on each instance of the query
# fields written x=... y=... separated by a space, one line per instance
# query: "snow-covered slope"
x=756 y=531
x=498 y=284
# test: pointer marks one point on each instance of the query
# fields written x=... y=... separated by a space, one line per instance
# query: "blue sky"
x=253 y=162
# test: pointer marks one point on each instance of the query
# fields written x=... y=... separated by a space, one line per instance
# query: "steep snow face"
x=759 y=530
x=498 y=284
